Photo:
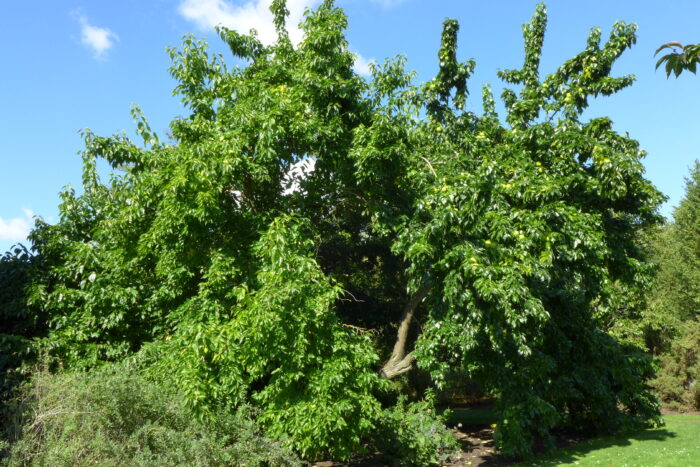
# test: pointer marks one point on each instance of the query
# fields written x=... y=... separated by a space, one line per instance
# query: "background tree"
x=487 y=247
x=675 y=300
x=678 y=380
x=679 y=255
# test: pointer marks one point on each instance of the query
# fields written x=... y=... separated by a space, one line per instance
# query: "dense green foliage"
x=323 y=395
x=242 y=281
x=19 y=321
x=113 y=417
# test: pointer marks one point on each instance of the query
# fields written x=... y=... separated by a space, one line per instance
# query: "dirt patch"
x=477 y=448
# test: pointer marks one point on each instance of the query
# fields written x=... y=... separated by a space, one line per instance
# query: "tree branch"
x=430 y=166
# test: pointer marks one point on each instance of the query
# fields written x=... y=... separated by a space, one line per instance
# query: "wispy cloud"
x=244 y=16
x=97 y=39
x=17 y=228
x=361 y=65
x=389 y=3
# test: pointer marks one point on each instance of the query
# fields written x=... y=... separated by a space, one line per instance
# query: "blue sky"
x=78 y=64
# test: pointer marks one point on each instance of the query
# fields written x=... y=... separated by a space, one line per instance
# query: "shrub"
x=19 y=321
x=414 y=434
x=678 y=381
x=113 y=416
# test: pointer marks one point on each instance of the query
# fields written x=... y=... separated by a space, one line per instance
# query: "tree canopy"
x=426 y=236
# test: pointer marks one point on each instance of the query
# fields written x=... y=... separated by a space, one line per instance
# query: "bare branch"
x=430 y=166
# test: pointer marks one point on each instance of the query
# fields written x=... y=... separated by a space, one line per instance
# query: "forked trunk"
x=400 y=361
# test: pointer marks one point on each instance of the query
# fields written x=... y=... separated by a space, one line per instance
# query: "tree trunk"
x=400 y=362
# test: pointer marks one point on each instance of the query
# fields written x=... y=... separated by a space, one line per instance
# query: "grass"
x=677 y=444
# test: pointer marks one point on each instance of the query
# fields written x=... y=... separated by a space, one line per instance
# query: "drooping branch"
x=400 y=362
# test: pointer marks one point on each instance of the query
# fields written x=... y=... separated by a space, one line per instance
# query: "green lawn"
x=675 y=445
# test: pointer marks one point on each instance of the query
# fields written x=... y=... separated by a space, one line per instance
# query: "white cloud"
x=361 y=65
x=244 y=16
x=256 y=14
x=97 y=39
x=17 y=228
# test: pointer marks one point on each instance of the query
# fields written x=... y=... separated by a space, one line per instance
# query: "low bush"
x=112 y=416
x=414 y=434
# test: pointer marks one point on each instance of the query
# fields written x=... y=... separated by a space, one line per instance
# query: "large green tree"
x=487 y=246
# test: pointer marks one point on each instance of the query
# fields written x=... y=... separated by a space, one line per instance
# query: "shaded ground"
x=471 y=427
x=676 y=444
x=477 y=448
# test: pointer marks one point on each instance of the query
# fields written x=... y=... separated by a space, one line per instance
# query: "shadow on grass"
x=474 y=431
x=575 y=452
